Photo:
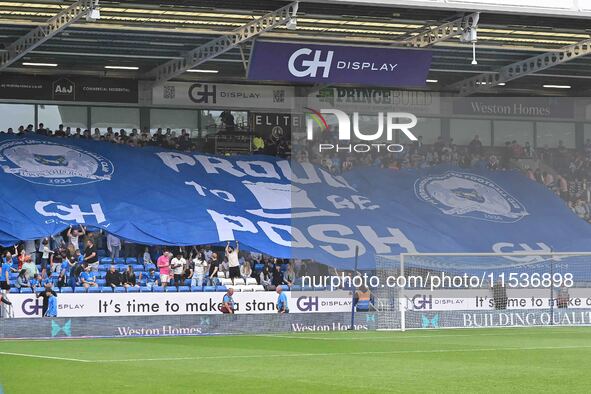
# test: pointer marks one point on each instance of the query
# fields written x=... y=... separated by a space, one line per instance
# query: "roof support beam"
x=442 y=32
x=483 y=82
x=44 y=32
x=216 y=47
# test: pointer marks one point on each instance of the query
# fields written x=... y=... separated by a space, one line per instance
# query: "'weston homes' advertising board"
x=329 y=64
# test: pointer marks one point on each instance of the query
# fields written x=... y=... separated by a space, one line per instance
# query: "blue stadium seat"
x=184 y=289
x=209 y=288
x=66 y=290
x=101 y=253
x=187 y=282
x=94 y=289
x=157 y=289
x=13 y=275
x=307 y=288
x=119 y=289
x=106 y=261
x=14 y=290
x=145 y=289
x=259 y=267
x=119 y=260
x=131 y=260
x=55 y=275
x=148 y=266
x=284 y=287
x=133 y=289
x=103 y=267
x=26 y=290
x=296 y=288
x=137 y=267
x=101 y=282
x=79 y=290
x=106 y=289
x=196 y=288
x=121 y=267
x=221 y=288
x=171 y=289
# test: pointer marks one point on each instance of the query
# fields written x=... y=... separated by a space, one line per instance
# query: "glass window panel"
x=15 y=115
x=70 y=116
x=211 y=122
x=115 y=117
x=508 y=131
x=174 y=119
x=463 y=130
x=550 y=133
x=428 y=128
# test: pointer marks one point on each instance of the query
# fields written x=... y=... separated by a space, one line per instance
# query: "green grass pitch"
x=480 y=360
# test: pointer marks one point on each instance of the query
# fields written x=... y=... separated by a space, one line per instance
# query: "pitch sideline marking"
x=237 y=356
x=44 y=357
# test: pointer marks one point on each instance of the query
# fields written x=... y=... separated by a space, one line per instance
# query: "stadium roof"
x=147 y=33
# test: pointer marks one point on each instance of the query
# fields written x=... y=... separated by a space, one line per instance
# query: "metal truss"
x=42 y=33
x=442 y=32
x=216 y=47
x=483 y=82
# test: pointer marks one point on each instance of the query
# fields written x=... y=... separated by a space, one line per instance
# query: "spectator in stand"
x=113 y=245
x=152 y=278
x=90 y=255
x=163 y=264
x=282 y=305
x=22 y=281
x=214 y=267
x=277 y=278
x=113 y=277
x=46 y=257
x=177 y=265
x=129 y=277
x=233 y=262
x=289 y=276
x=493 y=163
x=88 y=278
x=147 y=258
x=245 y=270
x=5 y=270
x=30 y=267
x=228 y=302
x=265 y=278
x=199 y=266
x=475 y=146
x=73 y=236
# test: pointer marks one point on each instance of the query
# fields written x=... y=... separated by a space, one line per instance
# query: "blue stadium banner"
x=338 y=64
x=158 y=196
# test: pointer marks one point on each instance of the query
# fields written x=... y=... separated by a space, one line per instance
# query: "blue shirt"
x=51 y=306
x=152 y=278
x=3 y=270
x=229 y=300
x=282 y=302
x=88 y=277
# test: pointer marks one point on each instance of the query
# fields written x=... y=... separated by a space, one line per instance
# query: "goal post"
x=474 y=290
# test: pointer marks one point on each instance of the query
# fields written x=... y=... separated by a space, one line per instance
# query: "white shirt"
x=233 y=259
x=181 y=264
x=74 y=241
x=199 y=266
x=46 y=252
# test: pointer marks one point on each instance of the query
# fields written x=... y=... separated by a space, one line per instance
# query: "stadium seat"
x=55 y=275
x=196 y=288
x=284 y=287
x=103 y=267
x=209 y=288
x=257 y=288
x=101 y=282
x=259 y=267
x=13 y=275
x=26 y=290
x=131 y=260
x=133 y=289
x=79 y=289
x=307 y=288
x=251 y=281
x=242 y=288
x=66 y=290
x=171 y=289
x=149 y=266
x=221 y=274
x=106 y=289
x=94 y=289
x=158 y=289
x=119 y=260
x=106 y=261
x=137 y=267
x=121 y=267
x=187 y=282
x=224 y=282
x=14 y=290
x=238 y=281
x=119 y=289
x=296 y=288
x=221 y=288
x=184 y=289
x=101 y=253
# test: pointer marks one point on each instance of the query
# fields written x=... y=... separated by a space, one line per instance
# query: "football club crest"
x=54 y=164
x=469 y=196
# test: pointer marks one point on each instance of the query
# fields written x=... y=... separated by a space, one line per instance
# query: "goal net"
x=451 y=290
